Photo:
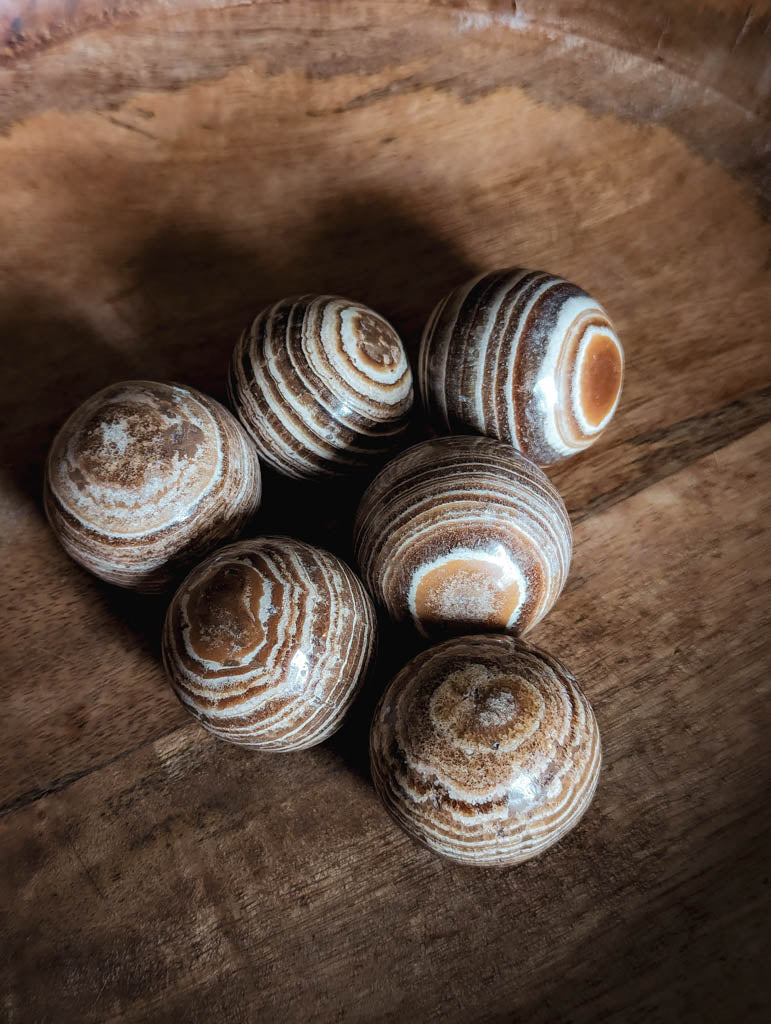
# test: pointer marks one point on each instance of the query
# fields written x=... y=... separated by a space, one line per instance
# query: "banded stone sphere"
x=322 y=384
x=461 y=535
x=268 y=641
x=145 y=478
x=485 y=749
x=525 y=357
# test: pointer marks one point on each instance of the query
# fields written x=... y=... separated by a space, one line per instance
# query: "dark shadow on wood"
x=397 y=644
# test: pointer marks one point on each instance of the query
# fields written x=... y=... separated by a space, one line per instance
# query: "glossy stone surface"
x=322 y=384
x=485 y=749
x=145 y=478
x=267 y=642
x=525 y=357
x=463 y=534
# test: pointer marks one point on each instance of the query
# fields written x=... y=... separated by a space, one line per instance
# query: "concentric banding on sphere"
x=463 y=534
x=525 y=357
x=322 y=384
x=485 y=749
x=268 y=641
x=144 y=478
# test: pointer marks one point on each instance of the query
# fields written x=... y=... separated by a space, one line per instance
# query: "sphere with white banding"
x=145 y=478
x=525 y=357
x=463 y=534
x=484 y=749
x=322 y=384
x=268 y=641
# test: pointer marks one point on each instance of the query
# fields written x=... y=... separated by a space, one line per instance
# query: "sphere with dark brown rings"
x=144 y=479
x=461 y=535
x=322 y=385
x=525 y=357
x=485 y=749
x=267 y=642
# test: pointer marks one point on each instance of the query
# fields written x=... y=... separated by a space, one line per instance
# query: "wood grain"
x=671 y=857
x=168 y=172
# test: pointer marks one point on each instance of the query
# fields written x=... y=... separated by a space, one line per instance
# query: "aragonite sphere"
x=322 y=384
x=485 y=749
x=525 y=357
x=267 y=642
x=462 y=535
x=144 y=479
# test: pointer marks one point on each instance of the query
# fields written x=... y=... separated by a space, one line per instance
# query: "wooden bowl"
x=170 y=167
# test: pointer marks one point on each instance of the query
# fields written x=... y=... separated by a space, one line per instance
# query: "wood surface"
x=166 y=170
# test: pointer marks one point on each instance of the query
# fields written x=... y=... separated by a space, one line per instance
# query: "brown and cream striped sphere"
x=463 y=534
x=525 y=357
x=485 y=749
x=267 y=642
x=145 y=478
x=322 y=384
